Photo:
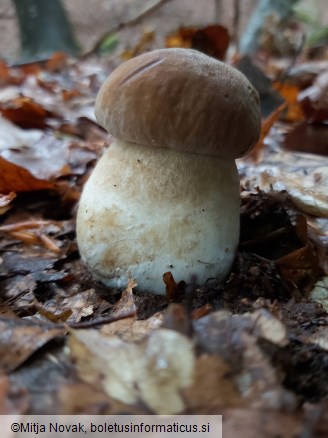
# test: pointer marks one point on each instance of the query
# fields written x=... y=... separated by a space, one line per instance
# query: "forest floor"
x=253 y=348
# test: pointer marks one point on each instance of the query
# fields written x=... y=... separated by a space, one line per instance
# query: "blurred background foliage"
x=34 y=29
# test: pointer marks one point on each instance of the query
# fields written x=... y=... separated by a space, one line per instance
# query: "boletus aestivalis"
x=165 y=195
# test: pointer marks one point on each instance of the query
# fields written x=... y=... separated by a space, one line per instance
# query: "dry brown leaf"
x=80 y=305
x=304 y=177
x=126 y=304
x=308 y=137
x=54 y=317
x=15 y=178
x=290 y=93
x=57 y=61
x=19 y=339
x=25 y=112
x=81 y=398
x=235 y=338
x=259 y=382
x=300 y=267
x=257 y=152
x=152 y=372
x=212 y=40
x=134 y=330
x=212 y=385
x=268 y=327
x=180 y=38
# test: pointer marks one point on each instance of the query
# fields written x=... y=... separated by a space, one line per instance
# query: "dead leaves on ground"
x=19 y=339
x=231 y=348
x=18 y=179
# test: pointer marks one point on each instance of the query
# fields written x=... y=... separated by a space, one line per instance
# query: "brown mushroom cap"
x=183 y=100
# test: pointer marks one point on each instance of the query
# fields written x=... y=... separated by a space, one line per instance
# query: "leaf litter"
x=253 y=348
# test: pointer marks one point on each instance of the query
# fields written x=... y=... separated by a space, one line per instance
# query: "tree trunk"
x=44 y=28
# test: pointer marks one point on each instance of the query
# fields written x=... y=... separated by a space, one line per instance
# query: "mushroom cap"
x=181 y=99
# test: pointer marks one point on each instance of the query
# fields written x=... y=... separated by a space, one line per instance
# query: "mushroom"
x=165 y=196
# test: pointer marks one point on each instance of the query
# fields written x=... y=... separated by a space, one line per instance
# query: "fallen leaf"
x=300 y=267
x=257 y=152
x=57 y=62
x=180 y=38
x=13 y=137
x=314 y=100
x=268 y=327
x=304 y=73
x=290 y=93
x=212 y=40
x=19 y=339
x=153 y=371
x=25 y=112
x=303 y=177
x=308 y=137
x=212 y=385
x=80 y=305
x=134 y=330
x=15 y=178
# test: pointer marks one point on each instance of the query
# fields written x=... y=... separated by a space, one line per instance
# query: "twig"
x=99 y=321
x=119 y=26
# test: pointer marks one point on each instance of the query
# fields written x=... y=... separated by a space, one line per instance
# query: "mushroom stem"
x=145 y=211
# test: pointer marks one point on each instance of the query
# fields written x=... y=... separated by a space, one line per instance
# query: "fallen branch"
x=119 y=26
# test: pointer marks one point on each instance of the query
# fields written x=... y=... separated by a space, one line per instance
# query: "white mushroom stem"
x=145 y=211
